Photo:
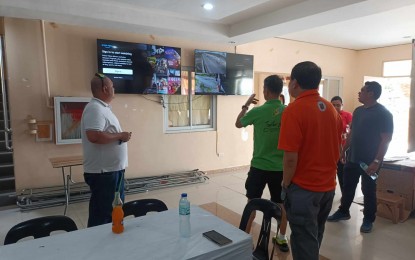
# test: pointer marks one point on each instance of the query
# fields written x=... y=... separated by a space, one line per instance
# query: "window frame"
x=190 y=128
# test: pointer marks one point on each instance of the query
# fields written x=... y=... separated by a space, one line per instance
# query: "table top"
x=65 y=161
x=154 y=236
x=400 y=165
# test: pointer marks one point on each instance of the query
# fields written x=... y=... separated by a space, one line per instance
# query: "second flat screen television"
x=137 y=68
x=223 y=73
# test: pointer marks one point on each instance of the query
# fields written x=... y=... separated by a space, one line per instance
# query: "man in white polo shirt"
x=105 y=151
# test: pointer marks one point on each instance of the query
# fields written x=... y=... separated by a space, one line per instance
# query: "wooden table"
x=154 y=236
x=66 y=162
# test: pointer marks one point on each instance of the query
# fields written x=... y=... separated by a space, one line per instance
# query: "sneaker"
x=337 y=216
x=366 y=226
x=282 y=243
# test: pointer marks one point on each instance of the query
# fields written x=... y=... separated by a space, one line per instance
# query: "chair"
x=270 y=210
x=39 y=227
x=142 y=207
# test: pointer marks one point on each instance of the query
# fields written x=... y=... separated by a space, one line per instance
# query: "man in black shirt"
x=371 y=132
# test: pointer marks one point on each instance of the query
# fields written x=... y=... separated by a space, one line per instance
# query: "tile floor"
x=342 y=240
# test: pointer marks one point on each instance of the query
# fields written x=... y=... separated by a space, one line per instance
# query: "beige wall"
x=370 y=62
x=71 y=57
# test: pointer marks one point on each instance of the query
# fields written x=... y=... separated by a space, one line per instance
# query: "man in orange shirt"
x=310 y=137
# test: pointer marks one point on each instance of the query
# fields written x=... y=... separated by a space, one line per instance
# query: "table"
x=154 y=236
x=66 y=162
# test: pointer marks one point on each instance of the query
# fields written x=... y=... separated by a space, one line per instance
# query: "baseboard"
x=230 y=169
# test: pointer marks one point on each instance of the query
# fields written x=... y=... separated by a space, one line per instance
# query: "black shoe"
x=366 y=226
x=337 y=216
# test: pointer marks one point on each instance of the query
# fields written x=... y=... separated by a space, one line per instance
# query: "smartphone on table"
x=217 y=238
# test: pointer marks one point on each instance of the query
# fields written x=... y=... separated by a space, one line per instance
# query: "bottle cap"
x=184 y=195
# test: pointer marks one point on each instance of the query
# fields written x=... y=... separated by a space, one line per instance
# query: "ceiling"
x=350 y=24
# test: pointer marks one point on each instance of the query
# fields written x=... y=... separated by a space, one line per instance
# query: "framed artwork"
x=68 y=114
x=44 y=131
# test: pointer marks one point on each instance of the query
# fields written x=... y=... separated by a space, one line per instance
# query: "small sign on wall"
x=44 y=131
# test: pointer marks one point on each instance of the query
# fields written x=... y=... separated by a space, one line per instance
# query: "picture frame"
x=68 y=114
x=44 y=131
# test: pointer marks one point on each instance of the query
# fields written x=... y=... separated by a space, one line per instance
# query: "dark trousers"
x=307 y=212
x=103 y=187
x=340 y=167
x=352 y=173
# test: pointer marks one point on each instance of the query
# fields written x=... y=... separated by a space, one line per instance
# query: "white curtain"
x=178 y=110
x=201 y=110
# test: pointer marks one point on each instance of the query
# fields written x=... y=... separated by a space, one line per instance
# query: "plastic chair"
x=270 y=210
x=39 y=227
x=142 y=207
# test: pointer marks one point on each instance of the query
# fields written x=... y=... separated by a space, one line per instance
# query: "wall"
x=370 y=62
x=279 y=55
x=71 y=59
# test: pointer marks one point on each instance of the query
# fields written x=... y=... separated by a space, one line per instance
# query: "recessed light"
x=207 y=6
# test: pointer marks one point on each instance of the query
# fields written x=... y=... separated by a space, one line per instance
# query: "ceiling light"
x=207 y=6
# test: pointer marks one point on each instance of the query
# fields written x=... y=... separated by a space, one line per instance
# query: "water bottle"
x=117 y=215
x=184 y=215
x=364 y=167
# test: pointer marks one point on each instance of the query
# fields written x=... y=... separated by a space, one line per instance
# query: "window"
x=189 y=112
x=400 y=68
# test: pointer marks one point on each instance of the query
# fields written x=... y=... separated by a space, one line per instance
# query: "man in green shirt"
x=266 y=163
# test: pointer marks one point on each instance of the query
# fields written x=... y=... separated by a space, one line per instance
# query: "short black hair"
x=307 y=74
x=274 y=84
x=337 y=98
x=374 y=87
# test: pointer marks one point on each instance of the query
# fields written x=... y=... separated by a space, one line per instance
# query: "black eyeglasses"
x=102 y=77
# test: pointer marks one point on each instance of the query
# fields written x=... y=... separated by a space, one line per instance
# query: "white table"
x=155 y=236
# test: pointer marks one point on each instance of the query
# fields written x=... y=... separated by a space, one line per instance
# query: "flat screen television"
x=138 y=68
x=223 y=73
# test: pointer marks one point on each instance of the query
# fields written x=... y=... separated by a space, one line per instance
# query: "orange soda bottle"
x=117 y=215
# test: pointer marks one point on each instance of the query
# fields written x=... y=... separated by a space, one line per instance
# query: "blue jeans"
x=103 y=187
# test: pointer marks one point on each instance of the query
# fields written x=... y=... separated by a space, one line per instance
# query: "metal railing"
x=30 y=199
x=7 y=130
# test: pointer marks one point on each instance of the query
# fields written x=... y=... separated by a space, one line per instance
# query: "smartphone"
x=217 y=238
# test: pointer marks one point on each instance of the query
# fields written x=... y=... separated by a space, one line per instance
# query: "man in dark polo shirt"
x=371 y=132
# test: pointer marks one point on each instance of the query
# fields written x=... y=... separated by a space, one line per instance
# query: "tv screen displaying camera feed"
x=222 y=73
x=138 y=68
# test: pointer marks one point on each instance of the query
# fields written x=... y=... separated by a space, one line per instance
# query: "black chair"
x=39 y=227
x=270 y=210
x=142 y=207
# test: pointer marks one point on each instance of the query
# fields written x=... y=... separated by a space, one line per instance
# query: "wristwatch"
x=376 y=161
x=245 y=107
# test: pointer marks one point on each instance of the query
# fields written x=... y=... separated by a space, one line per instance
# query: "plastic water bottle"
x=117 y=215
x=184 y=215
x=364 y=167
